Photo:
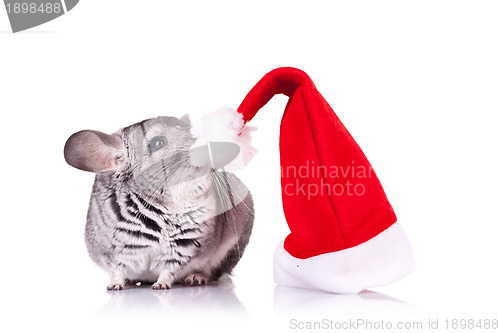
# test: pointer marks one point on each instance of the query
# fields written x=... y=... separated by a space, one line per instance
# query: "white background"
x=416 y=83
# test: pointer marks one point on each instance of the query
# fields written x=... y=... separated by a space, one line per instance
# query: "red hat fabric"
x=312 y=135
x=344 y=234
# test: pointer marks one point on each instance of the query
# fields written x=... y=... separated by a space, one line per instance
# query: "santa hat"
x=344 y=234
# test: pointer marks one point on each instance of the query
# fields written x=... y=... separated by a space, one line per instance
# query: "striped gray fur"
x=153 y=217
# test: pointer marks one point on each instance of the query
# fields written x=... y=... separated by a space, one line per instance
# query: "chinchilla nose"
x=216 y=155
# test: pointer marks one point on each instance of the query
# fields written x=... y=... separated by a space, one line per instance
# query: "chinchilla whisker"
x=225 y=191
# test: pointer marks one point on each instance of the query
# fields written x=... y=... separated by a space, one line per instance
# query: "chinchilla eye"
x=157 y=143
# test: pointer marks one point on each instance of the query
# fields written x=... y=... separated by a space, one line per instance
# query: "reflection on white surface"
x=220 y=300
x=295 y=301
x=198 y=300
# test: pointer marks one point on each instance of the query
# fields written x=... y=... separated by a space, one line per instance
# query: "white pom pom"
x=225 y=125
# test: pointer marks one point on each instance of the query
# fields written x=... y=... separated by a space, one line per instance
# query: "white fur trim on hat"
x=225 y=125
x=383 y=259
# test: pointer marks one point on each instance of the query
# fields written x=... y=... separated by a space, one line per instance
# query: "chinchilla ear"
x=185 y=119
x=95 y=151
